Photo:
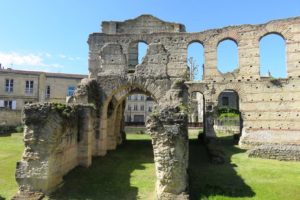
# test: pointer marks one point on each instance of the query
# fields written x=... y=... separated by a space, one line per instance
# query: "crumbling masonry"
x=61 y=137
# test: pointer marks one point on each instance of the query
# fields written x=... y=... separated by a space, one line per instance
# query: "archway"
x=195 y=61
x=272 y=56
x=137 y=51
x=228 y=121
x=196 y=115
x=227 y=55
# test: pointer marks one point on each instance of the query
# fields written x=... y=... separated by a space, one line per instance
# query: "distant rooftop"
x=49 y=74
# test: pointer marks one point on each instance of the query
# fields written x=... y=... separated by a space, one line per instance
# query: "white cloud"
x=27 y=61
x=8 y=59
x=62 y=56
x=68 y=57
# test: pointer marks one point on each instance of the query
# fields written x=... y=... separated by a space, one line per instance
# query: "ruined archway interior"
x=127 y=114
x=61 y=137
x=228 y=120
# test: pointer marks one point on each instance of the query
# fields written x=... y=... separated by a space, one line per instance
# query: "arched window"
x=142 y=51
x=227 y=56
x=272 y=56
x=137 y=51
x=195 y=60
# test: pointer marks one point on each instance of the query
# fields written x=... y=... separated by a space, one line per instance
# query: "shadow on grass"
x=207 y=179
x=2 y=198
x=108 y=178
x=5 y=135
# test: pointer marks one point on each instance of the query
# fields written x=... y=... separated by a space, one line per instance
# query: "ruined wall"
x=269 y=108
x=55 y=143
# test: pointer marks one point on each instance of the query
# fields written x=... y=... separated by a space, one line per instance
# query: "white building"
x=138 y=107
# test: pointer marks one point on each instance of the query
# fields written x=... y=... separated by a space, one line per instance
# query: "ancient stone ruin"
x=60 y=137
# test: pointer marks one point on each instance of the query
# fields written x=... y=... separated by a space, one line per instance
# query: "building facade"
x=18 y=88
x=138 y=107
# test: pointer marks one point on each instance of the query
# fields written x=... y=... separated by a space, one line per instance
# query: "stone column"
x=168 y=129
x=167 y=126
x=85 y=137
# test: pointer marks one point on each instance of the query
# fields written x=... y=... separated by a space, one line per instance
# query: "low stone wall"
x=252 y=138
x=226 y=130
x=276 y=151
x=57 y=138
x=10 y=117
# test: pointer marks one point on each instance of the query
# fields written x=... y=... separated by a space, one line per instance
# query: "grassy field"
x=11 y=148
x=128 y=173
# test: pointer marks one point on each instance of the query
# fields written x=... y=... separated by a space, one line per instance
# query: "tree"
x=193 y=67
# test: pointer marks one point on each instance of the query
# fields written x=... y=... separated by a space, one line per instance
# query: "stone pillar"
x=167 y=126
x=169 y=133
x=210 y=66
x=86 y=130
x=209 y=120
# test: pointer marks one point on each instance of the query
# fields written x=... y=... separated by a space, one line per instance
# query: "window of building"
x=129 y=97
x=29 y=87
x=9 y=85
x=129 y=107
x=128 y=118
x=47 y=95
x=70 y=91
x=225 y=101
x=138 y=118
x=149 y=109
x=142 y=97
x=136 y=97
x=135 y=107
x=142 y=107
x=9 y=104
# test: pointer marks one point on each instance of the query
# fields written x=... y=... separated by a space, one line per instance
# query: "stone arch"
x=267 y=66
x=229 y=101
x=112 y=106
x=195 y=60
x=264 y=34
x=227 y=38
x=232 y=87
x=234 y=54
x=229 y=90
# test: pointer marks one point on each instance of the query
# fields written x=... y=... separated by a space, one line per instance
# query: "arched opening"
x=195 y=61
x=272 y=56
x=227 y=56
x=127 y=112
x=137 y=51
x=124 y=126
x=138 y=108
x=196 y=114
x=228 y=121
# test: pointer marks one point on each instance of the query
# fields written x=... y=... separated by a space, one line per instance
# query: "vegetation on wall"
x=276 y=81
x=227 y=112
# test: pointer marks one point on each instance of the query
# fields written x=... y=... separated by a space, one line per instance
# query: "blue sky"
x=52 y=35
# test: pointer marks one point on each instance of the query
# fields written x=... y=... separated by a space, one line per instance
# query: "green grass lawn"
x=128 y=173
x=11 y=148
